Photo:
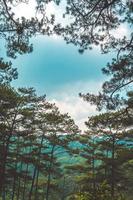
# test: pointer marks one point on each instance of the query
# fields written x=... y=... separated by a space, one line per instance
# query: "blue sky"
x=53 y=65
x=58 y=70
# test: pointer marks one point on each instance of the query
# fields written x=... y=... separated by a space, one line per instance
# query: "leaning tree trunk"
x=32 y=184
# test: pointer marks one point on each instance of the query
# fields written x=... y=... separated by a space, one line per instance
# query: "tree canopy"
x=42 y=153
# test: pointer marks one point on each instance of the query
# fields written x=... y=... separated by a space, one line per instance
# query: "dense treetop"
x=38 y=144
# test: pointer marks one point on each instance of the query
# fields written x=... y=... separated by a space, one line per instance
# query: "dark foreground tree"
x=18 y=31
x=106 y=149
x=93 y=22
x=31 y=139
x=32 y=134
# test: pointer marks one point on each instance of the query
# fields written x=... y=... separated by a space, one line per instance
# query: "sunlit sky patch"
x=59 y=71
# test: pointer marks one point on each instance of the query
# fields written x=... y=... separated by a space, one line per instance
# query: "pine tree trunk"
x=49 y=174
x=11 y=128
x=19 y=182
x=3 y=177
x=14 y=187
x=63 y=192
x=25 y=181
x=32 y=184
x=37 y=176
x=36 y=190
x=93 y=171
x=106 y=168
x=15 y=176
x=112 y=168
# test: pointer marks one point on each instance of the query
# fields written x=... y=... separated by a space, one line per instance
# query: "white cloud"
x=68 y=101
x=25 y=9
x=74 y=88
x=120 y=32
x=78 y=109
x=28 y=10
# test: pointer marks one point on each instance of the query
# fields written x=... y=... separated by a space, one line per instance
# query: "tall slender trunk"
x=16 y=164
x=112 y=168
x=63 y=192
x=14 y=185
x=49 y=173
x=19 y=182
x=37 y=175
x=36 y=187
x=3 y=176
x=93 y=170
x=106 y=168
x=25 y=178
x=11 y=128
x=32 y=184
x=2 y=155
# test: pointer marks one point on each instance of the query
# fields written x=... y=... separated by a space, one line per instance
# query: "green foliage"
x=34 y=135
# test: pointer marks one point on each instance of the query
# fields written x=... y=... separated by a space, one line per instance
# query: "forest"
x=43 y=153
